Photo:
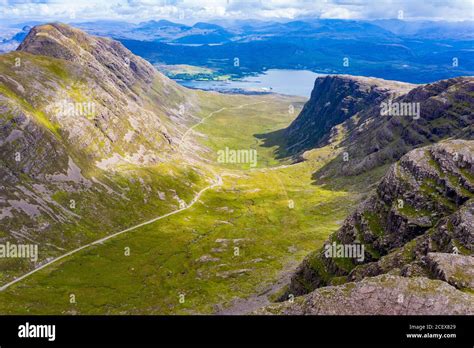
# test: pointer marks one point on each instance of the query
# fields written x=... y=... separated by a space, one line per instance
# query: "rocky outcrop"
x=381 y=295
x=423 y=204
x=351 y=114
x=100 y=98
x=451 y=234
x=457 y=270
x=107 y=58
x=335 y=99
x=426 y=114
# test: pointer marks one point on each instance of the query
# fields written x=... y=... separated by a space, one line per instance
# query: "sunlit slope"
x=88 y=143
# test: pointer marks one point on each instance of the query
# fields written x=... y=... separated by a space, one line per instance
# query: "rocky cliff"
x=419 y=222
x=378 y=121
x=382 y=295
x=335 y=99
x=426 y=114
x=126 y=109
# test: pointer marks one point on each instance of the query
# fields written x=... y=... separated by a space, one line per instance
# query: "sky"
x=189 y=11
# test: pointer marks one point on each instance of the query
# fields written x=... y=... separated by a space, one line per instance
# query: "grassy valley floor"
x=233 y=243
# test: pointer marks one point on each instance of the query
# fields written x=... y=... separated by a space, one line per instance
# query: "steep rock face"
x=335 y=99
x=440 y=110
x=423 y=204
x=65 y=93
x=103 y=100
x=22 y=140
x=382 y=295
x=451 y=235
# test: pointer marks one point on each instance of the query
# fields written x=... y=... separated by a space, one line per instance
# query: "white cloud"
x=194 y=10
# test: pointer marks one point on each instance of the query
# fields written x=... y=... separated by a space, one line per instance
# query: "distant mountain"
x=162 y=30
x=409 y=51
x=162 y=23
x=11 y=43
x=207 y=26
x=439 y=30
x=318 y=29
x=318 y=45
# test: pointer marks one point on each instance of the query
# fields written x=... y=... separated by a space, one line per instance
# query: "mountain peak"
x=55 y=40
x=204 y=25
x=124 y=94
x=106 y=56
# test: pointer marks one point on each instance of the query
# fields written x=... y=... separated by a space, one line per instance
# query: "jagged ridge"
x=335 y=99
x=423 y=204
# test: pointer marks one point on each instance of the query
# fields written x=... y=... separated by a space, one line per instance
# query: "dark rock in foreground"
x=381 y=295
x=457 y=270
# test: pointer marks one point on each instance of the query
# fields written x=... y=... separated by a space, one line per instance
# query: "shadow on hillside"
x=333 y=176
x=275 y=138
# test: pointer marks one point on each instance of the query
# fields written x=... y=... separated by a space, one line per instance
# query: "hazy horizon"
x=192 y=11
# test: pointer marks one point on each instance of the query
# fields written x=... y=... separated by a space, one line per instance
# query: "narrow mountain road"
x=190 y=129
x=218 y=182
x=197 y=124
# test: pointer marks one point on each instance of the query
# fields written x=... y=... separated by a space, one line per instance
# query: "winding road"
x=218 y=182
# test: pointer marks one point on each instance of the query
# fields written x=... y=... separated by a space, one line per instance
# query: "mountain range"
x=409 y=51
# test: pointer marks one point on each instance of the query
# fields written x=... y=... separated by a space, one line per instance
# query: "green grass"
x=411 y=212
x=251 y=210
x=374 y=223
x=238 y=127
x=163 y=265
x=430 y=188
x=99 y=212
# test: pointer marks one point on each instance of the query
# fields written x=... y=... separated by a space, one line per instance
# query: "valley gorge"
x=113 y=170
